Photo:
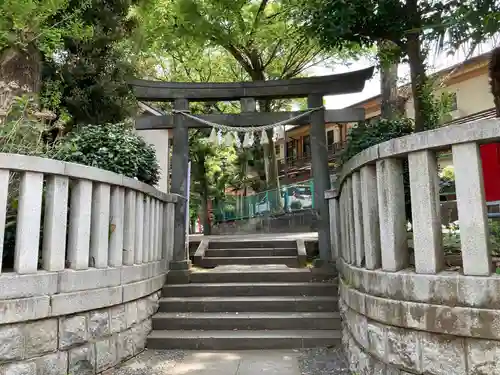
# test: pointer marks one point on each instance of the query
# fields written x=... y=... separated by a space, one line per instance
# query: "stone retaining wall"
x=76 y=321
x=84 y=343
x=394 y=334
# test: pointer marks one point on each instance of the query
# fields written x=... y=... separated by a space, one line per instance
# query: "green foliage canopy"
x=88 y=77
x=410 y=25
x=259 y=35
x=24 y=22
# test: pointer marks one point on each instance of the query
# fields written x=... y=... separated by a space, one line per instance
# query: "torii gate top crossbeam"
x=344 y=83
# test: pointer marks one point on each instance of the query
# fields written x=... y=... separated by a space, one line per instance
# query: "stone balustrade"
x=91 y=253
x=404 y=310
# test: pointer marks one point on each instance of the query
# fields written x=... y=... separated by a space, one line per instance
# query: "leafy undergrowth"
x=452 y=246
x=451 y=238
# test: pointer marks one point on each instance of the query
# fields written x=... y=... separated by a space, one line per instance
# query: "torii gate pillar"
x=321 y=177
x=180 y=264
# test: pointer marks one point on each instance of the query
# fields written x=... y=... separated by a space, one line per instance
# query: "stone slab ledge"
x=457 y=321
x=25 y=163
x=44 y=306
x=43 y=283
x=445 y=288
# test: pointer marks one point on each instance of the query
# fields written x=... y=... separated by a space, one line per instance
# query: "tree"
x=27 y=31
x=408 y=24
x=212 y=171
x=494 y=73
x=68 y=50
x=87 y=78
x=258 y=35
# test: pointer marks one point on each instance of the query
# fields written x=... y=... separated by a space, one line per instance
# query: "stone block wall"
x=76 y=321
x=89 y=342
x=401 y=323
x=292 y=222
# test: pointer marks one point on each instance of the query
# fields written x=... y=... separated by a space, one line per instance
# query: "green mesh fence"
x=289 y=198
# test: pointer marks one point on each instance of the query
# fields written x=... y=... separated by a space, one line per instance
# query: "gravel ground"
x=149 y=362
x=317 y=361
x=323 y=361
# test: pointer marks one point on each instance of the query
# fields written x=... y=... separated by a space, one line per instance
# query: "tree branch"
x=239 y=57
x=256 y=20
x=273 y=54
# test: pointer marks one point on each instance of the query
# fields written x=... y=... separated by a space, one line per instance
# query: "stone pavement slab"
x=270 y=362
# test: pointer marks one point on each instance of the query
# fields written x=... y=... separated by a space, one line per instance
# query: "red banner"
x=490 y=157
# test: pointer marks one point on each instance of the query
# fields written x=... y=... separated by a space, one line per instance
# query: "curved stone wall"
x=76 y=322
x=408 y=323
x=405 y=309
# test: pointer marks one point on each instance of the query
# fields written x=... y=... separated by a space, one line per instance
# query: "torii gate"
x=180 y=93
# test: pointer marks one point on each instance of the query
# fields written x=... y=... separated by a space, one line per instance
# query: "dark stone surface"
x=321 y=176
x=246 y=119
x=178 y=277
x=180 y=161
x=324 y=361
x=335 y=84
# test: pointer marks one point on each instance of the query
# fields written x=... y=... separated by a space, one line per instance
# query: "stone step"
x=252 y=274
x=290 y=261
x=251 y=252
x=249 y=304
x=247 y=321
x=235 y=244
x=242 y=340
x=250 y=289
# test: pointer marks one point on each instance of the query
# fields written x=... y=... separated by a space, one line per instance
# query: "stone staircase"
x=256 y=297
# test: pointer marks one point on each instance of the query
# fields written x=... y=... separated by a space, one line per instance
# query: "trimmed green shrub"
x=113 y=147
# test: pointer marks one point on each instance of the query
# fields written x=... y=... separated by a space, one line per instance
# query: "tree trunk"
x=417 y=67
x=207 y=229
x=269 y=154
x=22 y=67
x=273 y=163
x=494 y=68
x=272 y=170
x=204 y=196
x=388 y=83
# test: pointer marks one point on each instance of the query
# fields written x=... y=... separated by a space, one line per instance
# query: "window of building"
x=277 y=150
x=306 y=145
x=453 y=99
x=291 y=148
x=329 y=137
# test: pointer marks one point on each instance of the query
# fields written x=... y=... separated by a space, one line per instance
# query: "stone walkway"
x=320 y=361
